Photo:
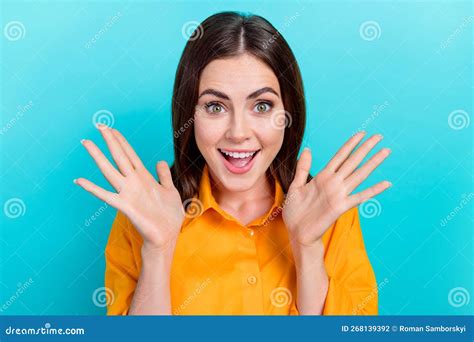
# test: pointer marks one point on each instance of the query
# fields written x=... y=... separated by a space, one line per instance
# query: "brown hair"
x=224 y=35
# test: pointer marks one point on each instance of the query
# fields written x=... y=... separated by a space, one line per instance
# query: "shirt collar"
x=209 y=202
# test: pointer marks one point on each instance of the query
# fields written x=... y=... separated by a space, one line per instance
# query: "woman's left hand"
x=312 y=207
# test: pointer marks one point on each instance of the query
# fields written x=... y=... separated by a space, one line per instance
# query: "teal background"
x=419 y=69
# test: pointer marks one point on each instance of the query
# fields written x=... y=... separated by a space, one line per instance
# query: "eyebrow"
x=253 y=95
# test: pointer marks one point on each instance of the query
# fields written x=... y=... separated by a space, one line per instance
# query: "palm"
x=154 y=208
x=148 y=203
x=311 y=208
x=306 y=205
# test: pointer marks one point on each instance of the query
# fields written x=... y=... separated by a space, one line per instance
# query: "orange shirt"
x=221 y=267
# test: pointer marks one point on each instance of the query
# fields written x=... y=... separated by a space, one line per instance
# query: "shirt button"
x=252 y=280
x=251 y=232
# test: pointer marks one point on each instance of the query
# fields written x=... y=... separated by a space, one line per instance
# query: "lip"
x=231 y=150
x=239 y=170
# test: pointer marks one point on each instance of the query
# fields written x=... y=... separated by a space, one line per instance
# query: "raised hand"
x=155 y=209
x=312 y=207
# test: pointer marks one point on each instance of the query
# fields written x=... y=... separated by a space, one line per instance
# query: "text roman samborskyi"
x=430 y=328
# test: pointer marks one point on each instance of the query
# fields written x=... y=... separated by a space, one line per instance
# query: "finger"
x=164 y=174
x=302 y=168
x=118 y=154
x=129 y=151
x=356 y=158
x=108 y=170
x=364 y=195
x=344 y=152
x=104 y=195
x=363 y=172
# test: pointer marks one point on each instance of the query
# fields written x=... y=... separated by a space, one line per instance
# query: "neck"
x=260 y=193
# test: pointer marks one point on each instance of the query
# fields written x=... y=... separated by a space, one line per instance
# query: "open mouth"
x=238 y=161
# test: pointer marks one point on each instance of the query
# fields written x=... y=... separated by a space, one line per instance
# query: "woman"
x=259 y=235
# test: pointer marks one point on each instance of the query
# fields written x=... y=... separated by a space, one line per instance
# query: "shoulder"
x=344 y=237
x=343 y=226
x=123 y=232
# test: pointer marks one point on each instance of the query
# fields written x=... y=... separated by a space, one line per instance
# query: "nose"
x=239 y=128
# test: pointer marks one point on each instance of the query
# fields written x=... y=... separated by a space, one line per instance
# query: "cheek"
x=206 y=139
x=271 y=138
x=271 y=128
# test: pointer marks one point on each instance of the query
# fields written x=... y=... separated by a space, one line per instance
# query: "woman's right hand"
x=154 y=208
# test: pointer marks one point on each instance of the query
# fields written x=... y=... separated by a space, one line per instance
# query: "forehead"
x=238 y=75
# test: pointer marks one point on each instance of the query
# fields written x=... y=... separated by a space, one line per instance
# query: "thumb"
x=302 y=168
x=164 y=174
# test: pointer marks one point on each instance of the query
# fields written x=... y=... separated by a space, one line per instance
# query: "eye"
x=214 y=108
x=263 y=107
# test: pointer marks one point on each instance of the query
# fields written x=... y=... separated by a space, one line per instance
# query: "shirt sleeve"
x=121 y=271
x=352 y=285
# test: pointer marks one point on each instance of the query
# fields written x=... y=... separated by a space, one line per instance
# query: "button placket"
x=252 y=295
x=252 y=280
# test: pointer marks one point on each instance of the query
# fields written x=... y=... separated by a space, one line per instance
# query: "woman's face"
x=238 y=120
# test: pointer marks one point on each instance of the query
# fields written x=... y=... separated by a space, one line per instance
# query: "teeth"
x=238 y=154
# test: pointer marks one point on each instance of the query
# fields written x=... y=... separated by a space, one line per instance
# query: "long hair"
x=223 y=35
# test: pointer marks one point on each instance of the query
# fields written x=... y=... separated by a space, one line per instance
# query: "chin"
x=236 y=183
x=232 y=181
